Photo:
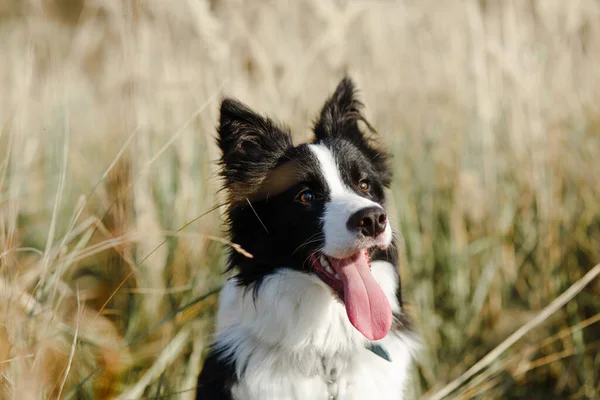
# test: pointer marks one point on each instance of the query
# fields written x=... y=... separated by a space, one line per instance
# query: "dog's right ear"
x=250 y=146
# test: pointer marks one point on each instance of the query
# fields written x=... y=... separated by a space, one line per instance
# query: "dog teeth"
x=337 y=276
x=326 y=266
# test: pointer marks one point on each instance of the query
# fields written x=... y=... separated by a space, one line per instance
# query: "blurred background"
x=111 y=239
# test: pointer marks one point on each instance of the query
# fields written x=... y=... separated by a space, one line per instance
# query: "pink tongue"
x=367 y=306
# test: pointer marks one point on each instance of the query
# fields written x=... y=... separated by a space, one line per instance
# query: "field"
x=111 y=236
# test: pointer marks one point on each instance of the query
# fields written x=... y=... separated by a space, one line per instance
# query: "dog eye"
x=363 y=185
x=306 y=197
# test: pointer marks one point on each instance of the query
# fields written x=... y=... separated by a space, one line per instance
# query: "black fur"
x=216 y=379
x=250 y=145
x=339 y=119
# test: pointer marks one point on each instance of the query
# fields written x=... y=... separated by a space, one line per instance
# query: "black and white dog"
x=316 y=313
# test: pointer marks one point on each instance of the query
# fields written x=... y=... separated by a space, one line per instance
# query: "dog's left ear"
x=339 y=119
x=340 y=114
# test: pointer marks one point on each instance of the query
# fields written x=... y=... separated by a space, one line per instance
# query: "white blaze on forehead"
x=330 y=170
x=340 y=242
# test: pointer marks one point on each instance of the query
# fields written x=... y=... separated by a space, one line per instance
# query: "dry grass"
x=107 y=115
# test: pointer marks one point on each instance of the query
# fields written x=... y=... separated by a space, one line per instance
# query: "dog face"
x=316 y=208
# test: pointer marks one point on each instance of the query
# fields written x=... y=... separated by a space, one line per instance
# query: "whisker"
x=312 y=239
x=259 y=220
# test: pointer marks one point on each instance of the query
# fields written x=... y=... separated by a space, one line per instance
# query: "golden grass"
x=107 y=116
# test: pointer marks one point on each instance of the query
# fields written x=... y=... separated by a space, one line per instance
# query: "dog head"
x=317 y=208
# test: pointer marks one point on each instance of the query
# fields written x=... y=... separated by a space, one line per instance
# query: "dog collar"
x=379 y=350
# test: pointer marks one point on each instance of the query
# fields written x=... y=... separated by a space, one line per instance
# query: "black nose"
x=369 y=221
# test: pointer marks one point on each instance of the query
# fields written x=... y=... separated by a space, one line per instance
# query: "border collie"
x=316 y=313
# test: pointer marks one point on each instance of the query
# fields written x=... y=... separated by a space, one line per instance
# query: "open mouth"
x=350 y=278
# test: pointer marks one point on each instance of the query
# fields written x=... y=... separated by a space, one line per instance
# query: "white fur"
x=340 y=242
x=295 y=337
